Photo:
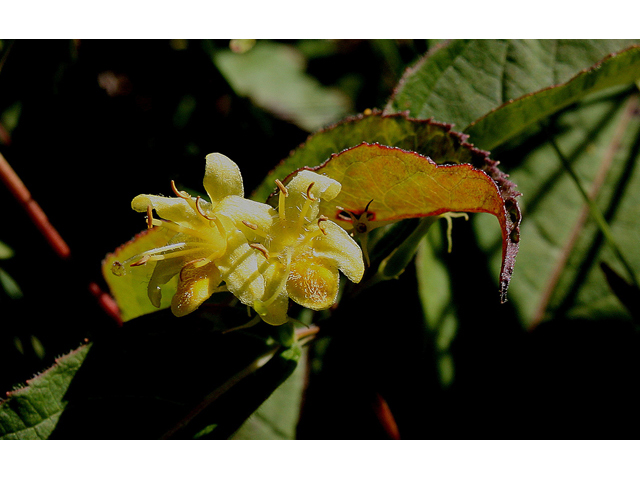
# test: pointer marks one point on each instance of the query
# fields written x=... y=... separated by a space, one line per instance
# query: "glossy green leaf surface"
x=463 y=80
x=513 y=117
x=558 y=270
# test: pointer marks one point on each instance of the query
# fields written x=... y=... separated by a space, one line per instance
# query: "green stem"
x=397 y=261
x=596 y=214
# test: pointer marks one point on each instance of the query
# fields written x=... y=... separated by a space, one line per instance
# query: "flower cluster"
x=262 y=255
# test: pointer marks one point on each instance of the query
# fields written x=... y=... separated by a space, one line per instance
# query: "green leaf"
x=435 y=292
x=156 y=377
x=272 y=75
x=427 y=137
x=511 y=118
x=9 y=285
x=277 y=418
x=558 y=272
x=32 y=412
x=463 y=80
x=5 y=251
x=129 y=289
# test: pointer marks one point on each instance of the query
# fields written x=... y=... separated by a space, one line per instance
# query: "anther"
x=252 y=226
x=309 y=194
x=283 y=194
x=199 y=209
x=142 y=261
x=197 y=263
x=179 y=193
x=282 y=188
x=321 y=219
x=261 y=248
x=149 y=217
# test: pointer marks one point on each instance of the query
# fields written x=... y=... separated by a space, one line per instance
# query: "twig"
x=51 y=235
x=21 y=193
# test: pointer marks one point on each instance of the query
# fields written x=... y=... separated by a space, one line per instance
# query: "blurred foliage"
x=87 y=125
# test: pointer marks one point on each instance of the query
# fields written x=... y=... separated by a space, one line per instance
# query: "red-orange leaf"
x=396 y=184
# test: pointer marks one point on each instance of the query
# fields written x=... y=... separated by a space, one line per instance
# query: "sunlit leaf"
x=511 y=118
x=460 y=81
x=396 y=184
x=427 y=137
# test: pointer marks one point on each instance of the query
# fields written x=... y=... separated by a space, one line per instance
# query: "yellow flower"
x=261 y=255
x=207 y=247
x=303 y=251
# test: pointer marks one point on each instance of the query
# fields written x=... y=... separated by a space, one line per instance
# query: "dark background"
x=84 y=154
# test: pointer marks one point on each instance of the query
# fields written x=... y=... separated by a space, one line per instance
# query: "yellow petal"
x=222 y=177
x=324 y=188
x=239 y=266
x=240 y=209
x=196 y=285
x=341 y=249
x=164 y=271
x=275 y=313
x=169 y=208
x=313 y=282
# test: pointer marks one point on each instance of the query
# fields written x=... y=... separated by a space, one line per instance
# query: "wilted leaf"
x=396 y=184
x=129 y=288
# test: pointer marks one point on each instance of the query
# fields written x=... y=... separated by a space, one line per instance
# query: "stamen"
x=310 y=236
x=252 y=226
x=307 y=203
x=309 y=194
x=199 y=209
x=283 y=194
x=177 y=228
x=149 y=217
x=321 y=219
x=255 y=228
x=142 y=261
x=282 y=188
x=179 y=193
x=261 y=248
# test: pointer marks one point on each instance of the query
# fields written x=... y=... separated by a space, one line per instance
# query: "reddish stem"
x=21 y=193
x=51 y=235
